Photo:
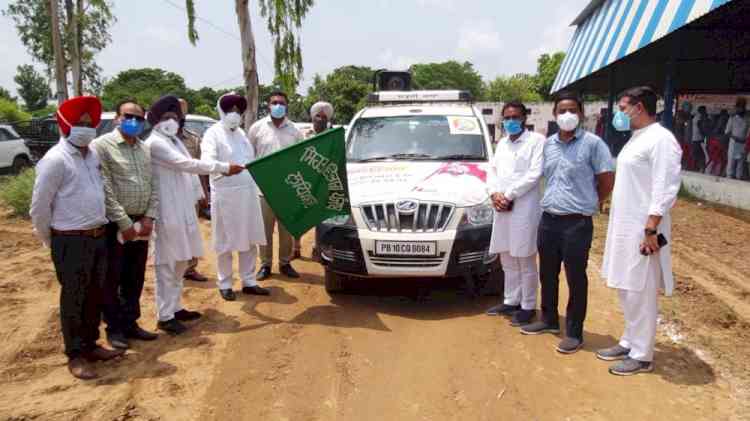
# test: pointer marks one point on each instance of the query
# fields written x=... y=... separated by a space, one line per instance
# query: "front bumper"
x=348 y=250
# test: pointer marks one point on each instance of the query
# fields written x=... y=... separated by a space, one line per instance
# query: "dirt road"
x=381 y=355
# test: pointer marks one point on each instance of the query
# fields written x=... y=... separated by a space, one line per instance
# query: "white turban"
x=322 y=106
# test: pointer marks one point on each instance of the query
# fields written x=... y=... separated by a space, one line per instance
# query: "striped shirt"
x=129 y=186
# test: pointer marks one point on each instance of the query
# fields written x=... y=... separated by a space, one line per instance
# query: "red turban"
x=70 y=112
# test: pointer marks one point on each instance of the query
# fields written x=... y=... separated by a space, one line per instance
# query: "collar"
x=579 y=133
x=119 y=138
x=283 y=123
x=521 y=139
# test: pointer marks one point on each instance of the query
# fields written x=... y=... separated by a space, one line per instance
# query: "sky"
x=498 y=37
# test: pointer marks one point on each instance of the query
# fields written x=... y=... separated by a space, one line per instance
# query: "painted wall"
x=721 y=190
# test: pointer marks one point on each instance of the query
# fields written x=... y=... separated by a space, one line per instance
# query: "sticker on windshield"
x=463 y=125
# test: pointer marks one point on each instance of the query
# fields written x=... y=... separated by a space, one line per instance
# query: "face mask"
x=232 y=120
x=512 y=127
x=567 y=121
x=740 y=111
x=621 y=121
x=278 y=111
x=169 y=127
x=131 y=127
x=81 y=136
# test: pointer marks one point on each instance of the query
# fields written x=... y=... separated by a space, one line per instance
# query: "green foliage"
x=9 y=112
x=346 y=88
x=32 y=87
x=448 y=75
x=16 y=191
x=546 y=71
x=45 y=112
x=144 y=85
x=34 y=28
x=520 y=87
x=5 y=94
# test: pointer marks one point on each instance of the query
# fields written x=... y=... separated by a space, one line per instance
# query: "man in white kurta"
x=646 y=185
x=737 y=130
x=178 y=238
x=514 y=185
x=236 y=218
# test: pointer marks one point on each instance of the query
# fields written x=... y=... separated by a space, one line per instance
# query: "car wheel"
x=334 y=282
x=20 y=163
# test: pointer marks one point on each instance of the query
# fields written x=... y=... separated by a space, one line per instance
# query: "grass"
x=15 y=192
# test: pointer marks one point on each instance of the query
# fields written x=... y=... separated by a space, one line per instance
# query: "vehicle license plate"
x=406 y=248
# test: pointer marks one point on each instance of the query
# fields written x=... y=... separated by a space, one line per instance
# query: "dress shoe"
x=195 y=276
x=255 y=290
x=288 y=271
x=227 y=294
x=264 y=273
x=172 y=326
x=81 y=369
x=569 y=345
x=118 y=341
x=136 y=332
x=102 y=354
x=187 y=315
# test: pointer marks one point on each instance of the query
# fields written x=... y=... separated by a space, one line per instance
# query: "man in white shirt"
x=236 y=217
x=737 y=130
x=178 y=237
x=514 y=187
x=68 y=214
x=637 y=254
x=269 y=135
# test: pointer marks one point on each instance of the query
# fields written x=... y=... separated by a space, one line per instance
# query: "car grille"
x=471 y=257
x=344 y=255
x=425 y=217
x=406 y=262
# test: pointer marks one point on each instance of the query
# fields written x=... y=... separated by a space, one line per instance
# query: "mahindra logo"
x=407 y=206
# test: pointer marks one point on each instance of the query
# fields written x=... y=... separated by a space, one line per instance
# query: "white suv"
x=14 y=155
x=417 y=171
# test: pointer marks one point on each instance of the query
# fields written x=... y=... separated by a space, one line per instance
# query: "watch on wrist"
x=649 y=231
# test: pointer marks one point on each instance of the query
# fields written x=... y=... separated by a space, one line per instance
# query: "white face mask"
x=169 y=127
x=567 y=121
x=81 y=136
x=232 y=120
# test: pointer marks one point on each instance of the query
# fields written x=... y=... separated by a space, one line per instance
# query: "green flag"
x=305 y=183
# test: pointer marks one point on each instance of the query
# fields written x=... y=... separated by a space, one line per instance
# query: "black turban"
x=163 y=105
x=231 y=100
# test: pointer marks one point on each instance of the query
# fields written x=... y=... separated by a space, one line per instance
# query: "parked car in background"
x=41 y=134
x=14 y=155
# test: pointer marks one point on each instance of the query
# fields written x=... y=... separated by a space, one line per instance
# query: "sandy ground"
x=380 y=355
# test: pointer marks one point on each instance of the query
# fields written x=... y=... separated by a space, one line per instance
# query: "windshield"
x=416 y=137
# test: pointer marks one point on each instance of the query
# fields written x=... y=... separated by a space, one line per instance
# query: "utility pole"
x=73 y=12
x=60 y=76
x=249 y=66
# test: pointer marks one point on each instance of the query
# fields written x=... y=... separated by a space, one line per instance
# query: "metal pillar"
x=608 y=130
x=667 y=117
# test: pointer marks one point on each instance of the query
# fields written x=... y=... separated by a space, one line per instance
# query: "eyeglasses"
x=138 y=118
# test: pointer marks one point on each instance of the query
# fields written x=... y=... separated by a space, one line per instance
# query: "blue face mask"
x=621 y=121
x=278 y=111
x=513 y=127
x=131 y=127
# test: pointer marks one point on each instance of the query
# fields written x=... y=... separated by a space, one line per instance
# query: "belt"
x=93 y=233
x=568 y=216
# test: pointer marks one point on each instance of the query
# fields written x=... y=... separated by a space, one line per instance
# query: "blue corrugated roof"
x=608 y=30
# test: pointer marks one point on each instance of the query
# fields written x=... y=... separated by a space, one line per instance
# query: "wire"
x=220 y=29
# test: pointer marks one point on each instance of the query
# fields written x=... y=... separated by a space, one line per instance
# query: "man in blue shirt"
x=579 y=175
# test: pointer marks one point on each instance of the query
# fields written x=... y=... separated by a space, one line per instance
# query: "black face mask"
x=740 y=112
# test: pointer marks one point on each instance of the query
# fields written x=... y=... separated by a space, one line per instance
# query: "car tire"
x=20 y=163
x=334 y=282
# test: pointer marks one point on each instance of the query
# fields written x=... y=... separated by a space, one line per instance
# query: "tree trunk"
x=60 y=76
x=73 y=12
x=249 y=66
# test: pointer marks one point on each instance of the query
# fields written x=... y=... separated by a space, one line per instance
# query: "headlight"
x=478 y=215
x=340 y=220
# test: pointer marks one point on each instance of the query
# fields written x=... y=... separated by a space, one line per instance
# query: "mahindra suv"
x=417 y=165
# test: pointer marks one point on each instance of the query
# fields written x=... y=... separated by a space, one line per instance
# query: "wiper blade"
x=412 y=155
x=460 y=156
x=374 y=158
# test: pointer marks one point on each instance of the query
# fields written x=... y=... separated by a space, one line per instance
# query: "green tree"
x=546 y=71
x=91 y=18
x=5 y=94
x=32 y=87
x=10 y=112
x=520 y=87
x=448 y=75
x=346 y=88
x=284 y=21
x=144 y=85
